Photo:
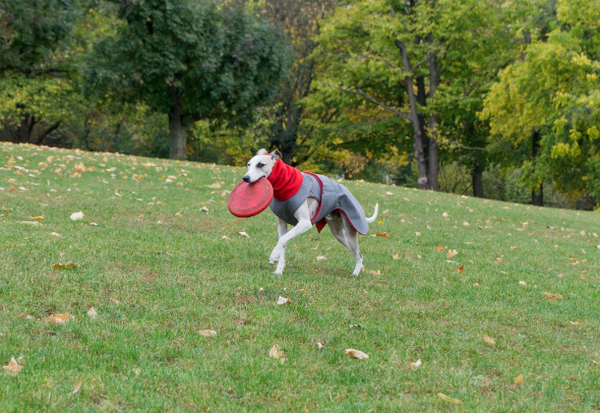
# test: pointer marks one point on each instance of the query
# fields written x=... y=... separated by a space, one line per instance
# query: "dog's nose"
x=246 y=178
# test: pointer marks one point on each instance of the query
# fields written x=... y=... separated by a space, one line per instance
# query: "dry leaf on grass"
x=92 y=313
x=352 y=325
x=243 y=234
x=396 y=256
x=208 y=333
x=60 y=318
x=216 y=185
x=276 y=353
x=40 y=218
x=440 y=248
x=552 y=296
x=357 y=354
x=205 y=209
x=76 y=389
x=451 y=253
x=13 y=367
x=76 y=216
x=320 y=258
x=522 y=283
x=416 y=364
x=460 y=269
x=225 y=237
x=575 y=323
x=59 y=266
x=519 y=379
x=282 y=300
x=382 y=234
x=448 y=399
x=319 y=345
x=489 y=340
x=445 y=215
x=55 y=234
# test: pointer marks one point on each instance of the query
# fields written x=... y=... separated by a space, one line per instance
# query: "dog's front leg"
x=281 y=231
x=303 y=225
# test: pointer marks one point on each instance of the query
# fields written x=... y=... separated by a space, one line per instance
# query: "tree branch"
x=467 y=147
x=383 y=105
x=362 y=56
x=48 y=131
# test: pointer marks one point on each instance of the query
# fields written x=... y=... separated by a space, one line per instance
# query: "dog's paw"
x=275 y=255
x=278 y=271
x=358 y=269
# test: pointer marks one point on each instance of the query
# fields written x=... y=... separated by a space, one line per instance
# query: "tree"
x=190 y=60
x=547 y=101
x=400 y=62
x=31 y=34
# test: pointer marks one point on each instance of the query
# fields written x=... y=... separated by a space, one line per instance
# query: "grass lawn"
x=157 y=269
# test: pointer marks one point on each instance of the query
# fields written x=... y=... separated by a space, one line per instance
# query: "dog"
x=301 y=199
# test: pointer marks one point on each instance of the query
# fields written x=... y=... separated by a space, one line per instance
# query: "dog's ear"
x=261 y=151
x=276 y=155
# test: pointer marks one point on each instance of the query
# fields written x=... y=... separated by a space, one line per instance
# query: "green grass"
x=156 y=284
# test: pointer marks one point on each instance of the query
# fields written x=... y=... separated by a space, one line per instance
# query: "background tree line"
x=493 y=98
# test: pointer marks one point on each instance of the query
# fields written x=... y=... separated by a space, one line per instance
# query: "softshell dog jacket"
x=329 y=194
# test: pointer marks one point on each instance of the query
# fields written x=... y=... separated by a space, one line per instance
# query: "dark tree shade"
x=31 y=30
x=192 y=60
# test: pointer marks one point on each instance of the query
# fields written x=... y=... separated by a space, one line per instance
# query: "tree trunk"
x=537 y=195
x=414 y=117
x=477 y=176
x=434 y=163
x=177 y=134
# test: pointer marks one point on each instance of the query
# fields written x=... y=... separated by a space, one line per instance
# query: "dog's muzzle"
x=246 y=178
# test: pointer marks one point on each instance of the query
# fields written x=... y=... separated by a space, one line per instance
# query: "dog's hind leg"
x=352 y=238
x=336 y=225
x=303 y=225
x=281 y=231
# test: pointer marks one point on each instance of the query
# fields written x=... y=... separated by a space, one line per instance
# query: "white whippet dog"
x=261 y=166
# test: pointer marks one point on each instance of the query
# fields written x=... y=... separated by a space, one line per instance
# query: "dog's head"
x=261 y=165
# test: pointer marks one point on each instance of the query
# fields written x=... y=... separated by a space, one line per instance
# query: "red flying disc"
x=249 y=199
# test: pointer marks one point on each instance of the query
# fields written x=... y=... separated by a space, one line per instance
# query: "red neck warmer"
x=286 y=180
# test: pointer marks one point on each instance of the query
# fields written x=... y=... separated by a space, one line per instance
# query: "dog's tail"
x=374 y=217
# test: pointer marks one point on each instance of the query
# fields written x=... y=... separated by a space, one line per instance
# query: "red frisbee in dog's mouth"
x=249 y=199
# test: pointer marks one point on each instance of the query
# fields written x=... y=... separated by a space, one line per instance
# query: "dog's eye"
x=260 y=164
x=248 y=164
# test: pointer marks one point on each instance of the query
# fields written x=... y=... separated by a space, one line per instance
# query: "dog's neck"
x=286 y=180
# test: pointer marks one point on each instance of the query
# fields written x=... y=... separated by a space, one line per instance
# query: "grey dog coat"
x=330 y=195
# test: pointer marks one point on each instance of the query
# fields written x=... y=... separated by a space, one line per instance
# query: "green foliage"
x=218 y=63
x=555 y=90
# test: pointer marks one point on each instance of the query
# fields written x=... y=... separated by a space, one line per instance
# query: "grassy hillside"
x=157 y=269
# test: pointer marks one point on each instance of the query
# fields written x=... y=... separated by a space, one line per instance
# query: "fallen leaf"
x=77 y=216
x=519 y=379
x=319 y=345
x=445 y=215
x=466 y=224
x=522 y=283
x=475 y=284
x=460 y=269
x=357 y=354
x=417 y=234
x=380 y=222
x=58 y=266
x=216 y=185
x=93 y=224
x=59 y=318
x=243 y=234
x=381 y=234
x=13 y=367
x=352 y=325
x=513 y=248
x=225 y=237
x=451 y=253
x=320 y=258
x=36 y=218
x=205 y=209
x=552 y=296
x=275 y=352
x=208 y=333
x=389 y=193
x=448 y=399
x=55 y=234
x=440 y=248
x=396 y=256
x=92 y=312
x=76 y=389
x=282 y=300
x=575 y=323
x=416 y=364
x=489 y=340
